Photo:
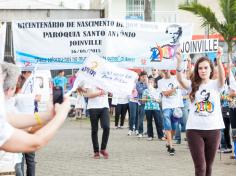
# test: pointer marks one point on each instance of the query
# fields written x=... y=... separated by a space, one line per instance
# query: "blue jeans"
x=30 y=163
x=141 y=118
x=19 y=170
x=156 y=114
x=169 y=122
x=185 y=111
x=181 y=124
x=133 y=120
x=235 y=150
x=222 y=142
x=178 y=128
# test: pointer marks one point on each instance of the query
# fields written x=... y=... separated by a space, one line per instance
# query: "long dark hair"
x=195 y=78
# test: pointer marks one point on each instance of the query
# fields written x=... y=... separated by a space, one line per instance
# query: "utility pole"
x=147 y=10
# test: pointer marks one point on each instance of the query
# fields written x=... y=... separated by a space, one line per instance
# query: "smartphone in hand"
x=57 y=95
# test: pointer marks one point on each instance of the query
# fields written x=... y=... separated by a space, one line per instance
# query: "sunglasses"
x=154 y=69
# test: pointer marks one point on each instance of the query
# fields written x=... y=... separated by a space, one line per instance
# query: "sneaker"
x=105 y=154
x=96 y=155
x=133 y=132
x=162 y=139
x=121 y=127
x=129 y=133
x=116 y=127
x=136 y=132
x=172 y=151
x=227 y=151
x=168 y=147
x=140 y=135
x=149 y=138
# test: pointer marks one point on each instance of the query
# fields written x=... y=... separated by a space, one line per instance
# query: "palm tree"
x=227 y=28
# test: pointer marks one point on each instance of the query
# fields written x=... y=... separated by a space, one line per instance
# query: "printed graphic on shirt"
x=171 y=86
x=204 y=107
x=151 y=97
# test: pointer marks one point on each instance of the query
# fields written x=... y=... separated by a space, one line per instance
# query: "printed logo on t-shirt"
x=204 y=107
x=171 y=86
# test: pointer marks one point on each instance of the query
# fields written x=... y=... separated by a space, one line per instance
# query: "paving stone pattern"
x=70 y=154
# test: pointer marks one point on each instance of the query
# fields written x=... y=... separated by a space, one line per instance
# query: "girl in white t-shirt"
x=205 y=118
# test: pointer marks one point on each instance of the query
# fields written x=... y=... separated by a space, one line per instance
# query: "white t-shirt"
x=8 y=160
x=6 y=130
x=80 y=102
x=25 y=103
x=232 y=81
x=173 y=101
x=122 y=99
x=205 y=111
x=114 y=100
x=97 y=102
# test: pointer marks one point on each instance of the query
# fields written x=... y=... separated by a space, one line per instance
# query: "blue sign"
x=133 y=17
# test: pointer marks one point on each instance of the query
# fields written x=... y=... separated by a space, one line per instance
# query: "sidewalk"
x=70 y=154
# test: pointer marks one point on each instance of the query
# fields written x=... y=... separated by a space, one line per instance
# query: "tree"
x=227 y=28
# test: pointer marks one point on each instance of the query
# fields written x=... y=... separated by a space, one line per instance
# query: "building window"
x=135 y=8
x=190 y=1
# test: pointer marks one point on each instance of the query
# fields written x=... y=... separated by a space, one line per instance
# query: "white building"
x=42 y=10
x=162 y=11
x=37 y=4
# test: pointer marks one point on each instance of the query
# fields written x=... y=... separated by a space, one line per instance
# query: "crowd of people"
x=199 y=100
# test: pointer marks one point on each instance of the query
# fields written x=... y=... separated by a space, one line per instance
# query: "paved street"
x=70 y=154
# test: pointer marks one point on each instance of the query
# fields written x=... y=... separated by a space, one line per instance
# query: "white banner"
x=66 y=43
x=100 y=73
x=2 y=39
